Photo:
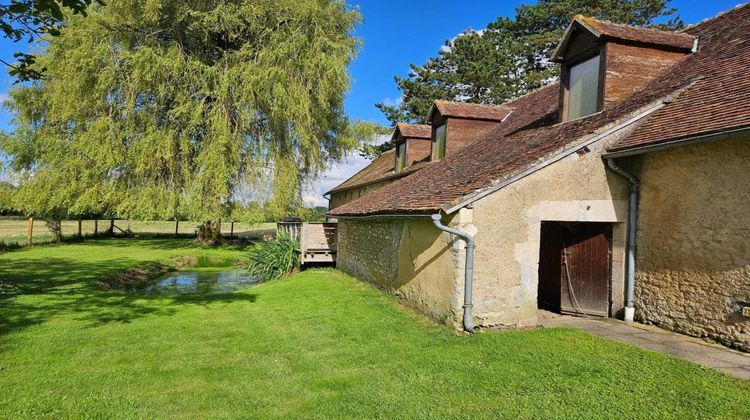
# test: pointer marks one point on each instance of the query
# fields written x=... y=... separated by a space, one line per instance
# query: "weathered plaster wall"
x=577 y=189
x=407 y=257
x=693 y=261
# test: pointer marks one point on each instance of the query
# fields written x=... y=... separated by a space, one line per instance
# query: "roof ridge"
x=717 y=16
x=639 y=27
x=445 y=101
x=411 y=125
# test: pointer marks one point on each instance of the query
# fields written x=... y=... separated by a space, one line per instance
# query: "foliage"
x=510 y=56
x=271 y=260
x=32 y=19
x=320 y=344
x=371 y=135
x=167 y=109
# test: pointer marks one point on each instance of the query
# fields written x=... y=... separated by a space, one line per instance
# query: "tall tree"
x=31 y=19
x=165 y=108
x=510 y=57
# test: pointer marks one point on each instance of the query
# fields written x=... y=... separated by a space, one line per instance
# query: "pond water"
x=200 y=282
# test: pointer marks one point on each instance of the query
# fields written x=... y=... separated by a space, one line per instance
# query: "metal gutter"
x=471 y=198
x=468 y=320
x=380 y=216
x=704 y=138
x=634 y=184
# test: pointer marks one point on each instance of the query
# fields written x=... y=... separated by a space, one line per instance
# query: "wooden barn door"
x=585 y=268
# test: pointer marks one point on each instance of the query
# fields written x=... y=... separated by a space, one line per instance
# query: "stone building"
x=413 y=145
x=642 y=146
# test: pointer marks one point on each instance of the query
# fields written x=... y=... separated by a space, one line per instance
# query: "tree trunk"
x=111 y=230
x=176 y=228
x=80 y=228
x=209 y=233
x=96 y=227
x=55 y=226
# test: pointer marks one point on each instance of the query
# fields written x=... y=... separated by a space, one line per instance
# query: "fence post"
x=111 y=230
x=176 y=227
x=30 y=230
x=80 y=231
x=96 y=227
x=231 y=230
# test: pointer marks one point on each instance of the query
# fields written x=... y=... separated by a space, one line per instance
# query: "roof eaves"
x=680 y=142
x=552 y=158
x=557 y=53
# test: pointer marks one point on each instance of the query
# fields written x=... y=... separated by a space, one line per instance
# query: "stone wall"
x=409 y=258
x=578 y=188
x=693 y=261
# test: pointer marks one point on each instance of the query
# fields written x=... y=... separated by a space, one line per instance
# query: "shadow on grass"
x=43 y=289
x=162 y=242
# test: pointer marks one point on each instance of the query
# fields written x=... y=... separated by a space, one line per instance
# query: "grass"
x=317 y=344
x=14 y=230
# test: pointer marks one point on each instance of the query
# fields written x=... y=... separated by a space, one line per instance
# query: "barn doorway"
x=574 y=268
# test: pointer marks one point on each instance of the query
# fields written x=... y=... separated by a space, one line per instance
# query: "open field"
x=14 y=230
x=318 y=344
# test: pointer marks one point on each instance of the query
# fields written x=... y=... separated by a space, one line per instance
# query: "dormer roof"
x=603 y=30
x=469 y=111
x=412 y=131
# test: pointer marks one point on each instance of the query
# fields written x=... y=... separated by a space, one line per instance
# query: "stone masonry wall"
x=409 y=258
x=693 y=261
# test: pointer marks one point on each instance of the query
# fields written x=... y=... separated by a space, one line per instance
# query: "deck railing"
x=317 y=241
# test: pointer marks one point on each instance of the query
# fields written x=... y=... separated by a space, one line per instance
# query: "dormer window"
x=583 y=88
x=604 y=63
x=438 y=147
x=400 y=157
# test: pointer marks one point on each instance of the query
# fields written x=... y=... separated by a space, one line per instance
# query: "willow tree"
x=158 y=109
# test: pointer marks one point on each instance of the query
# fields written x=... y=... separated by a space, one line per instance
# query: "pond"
x=200 y=282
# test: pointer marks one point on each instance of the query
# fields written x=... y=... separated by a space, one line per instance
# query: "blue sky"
x=396 y=33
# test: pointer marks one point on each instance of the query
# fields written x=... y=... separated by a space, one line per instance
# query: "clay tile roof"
x=530 y=136
x=467 y=110
x=609 y=29
x=380 y=168
x=417 y=131
x=383 y=167
x=539 y=108
x=719 y=99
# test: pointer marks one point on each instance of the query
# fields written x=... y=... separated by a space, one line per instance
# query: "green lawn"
x=319 y=344
x=14 y=230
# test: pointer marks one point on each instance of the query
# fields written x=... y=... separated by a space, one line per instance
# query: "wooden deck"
x=317 y=240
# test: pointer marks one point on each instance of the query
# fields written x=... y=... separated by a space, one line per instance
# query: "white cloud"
x=394 y=102
x=337 y=174
x=334 y=176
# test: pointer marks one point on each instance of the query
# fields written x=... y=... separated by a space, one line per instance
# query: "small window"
x=400 y=157
x=438 y=151
x=583 y=88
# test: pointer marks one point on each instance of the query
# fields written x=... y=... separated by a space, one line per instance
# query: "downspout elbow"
x=634 y=185
x=468 y=317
